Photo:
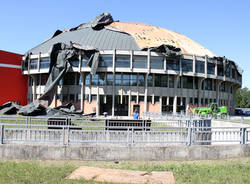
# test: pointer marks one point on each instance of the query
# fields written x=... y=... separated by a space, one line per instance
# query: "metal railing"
x=67 y=134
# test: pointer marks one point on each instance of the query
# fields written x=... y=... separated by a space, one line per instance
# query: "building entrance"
x=121 y=105
x=106 y=104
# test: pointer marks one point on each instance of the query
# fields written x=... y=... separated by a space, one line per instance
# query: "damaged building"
x=113 y=67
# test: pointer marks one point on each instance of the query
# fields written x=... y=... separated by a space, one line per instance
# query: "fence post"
x=243 y=136
x=2 y=134
x=189 y=140
x=132 y=137
x=68 y=129
x=63 y=136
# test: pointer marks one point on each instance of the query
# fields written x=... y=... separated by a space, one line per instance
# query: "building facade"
x=128 y=78
x=13 y=84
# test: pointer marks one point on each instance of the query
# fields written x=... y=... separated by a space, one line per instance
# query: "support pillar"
x=82 y=91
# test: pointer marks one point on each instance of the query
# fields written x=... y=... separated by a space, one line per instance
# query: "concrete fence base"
x=56 y=152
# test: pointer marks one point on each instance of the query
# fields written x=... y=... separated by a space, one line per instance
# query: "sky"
x=222 y=26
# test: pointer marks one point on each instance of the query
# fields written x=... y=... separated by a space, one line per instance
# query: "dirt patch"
x=122 y=176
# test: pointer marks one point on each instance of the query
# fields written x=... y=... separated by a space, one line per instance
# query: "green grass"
x=217 y=172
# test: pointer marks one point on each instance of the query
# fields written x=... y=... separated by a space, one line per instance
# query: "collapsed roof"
x=103 y=33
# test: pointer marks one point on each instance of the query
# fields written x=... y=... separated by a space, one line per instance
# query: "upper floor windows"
x=139 y=61
x=199 y=67
x=106 y=61
x=210 y=68
x=173 y=64
x=187 y=65
x=122 y=61
x=45 y=63
x=157 y=62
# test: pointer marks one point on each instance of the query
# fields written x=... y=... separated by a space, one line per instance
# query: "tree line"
x=243 y=98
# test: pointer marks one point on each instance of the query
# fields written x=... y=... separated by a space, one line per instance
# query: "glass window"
x=228 y=69
x=141 y=98
x=33 y=64
x=69 y=79
x=87 y=79
x=173 y=65
x=171 y=81
x=208 y=84
x=220 y=70
x=44 y=78
x=45 y=63
x=150 y=80
x=149 y=99
x=84 y=61
x=93 y=97
x=133 y=80
x=233 y=73
x=223 y=87
x=122 y=61
x=126 y=81
x=196 y=82
x=187 y=65
x=199 y=67
x=109 y=80
x=187 y=82
x=86 y=97
x=157 y=99
x=157 y=62
x=179 y=82
x=161 y=80
x=139 y=61
x=133 y=98
x=101 y=79
x=211 y=68
x=141 y=80
x=95 y=79
x=118 y=79
x=106 y=61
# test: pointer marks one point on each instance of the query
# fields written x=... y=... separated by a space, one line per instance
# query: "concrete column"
x=97 y=102
x=194 y=65
x=34 y=87
x=161 y=104
x=187 y=104
x=199 y=90
x=39 y=62
x=129 y=102
x=113 y=96
x=206 y=66
x=82 y=91
x=175 y=97
x=146 y=93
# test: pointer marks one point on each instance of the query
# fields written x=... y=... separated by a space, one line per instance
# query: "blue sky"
x=222 y=26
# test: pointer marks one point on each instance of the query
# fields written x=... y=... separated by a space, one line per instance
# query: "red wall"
x=13 y=85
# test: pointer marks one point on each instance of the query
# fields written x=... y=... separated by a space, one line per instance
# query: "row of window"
x=156 y=62
x=125 y=79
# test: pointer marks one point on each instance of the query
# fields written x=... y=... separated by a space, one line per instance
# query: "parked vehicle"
x=239 y=112
x=247 y=113
x=213 y=110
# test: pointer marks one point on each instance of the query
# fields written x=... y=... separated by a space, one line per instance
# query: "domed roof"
x=153 y=36
x=110 y=35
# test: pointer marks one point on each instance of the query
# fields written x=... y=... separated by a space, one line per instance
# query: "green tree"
x=243 y=98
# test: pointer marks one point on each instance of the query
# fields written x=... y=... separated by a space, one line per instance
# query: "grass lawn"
x=222 y=171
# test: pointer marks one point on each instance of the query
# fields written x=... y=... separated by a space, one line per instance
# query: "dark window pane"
x=157 y=62
x=133 y=98
x=44 y=78
x=187 y=65
x=220 y=70
x=149 y=99
x=95 y=79
x=101 y=79
x=211 y=68
x=199 y=67
x=33 y=64
x=139 y=61
x=150 y=80
x=141 y=80
x=171 y=81
x=133 y=80
x=173 y=65
x=126 y=79
x=157 y=99
x=141 y=98
x=122 y=61
x=87 y=79
x=109 y=79
x=106 y=61
x=118 y=79
x=84 y=61
x=187 y=82
x=45 y=63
